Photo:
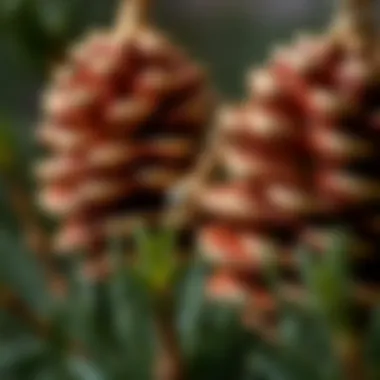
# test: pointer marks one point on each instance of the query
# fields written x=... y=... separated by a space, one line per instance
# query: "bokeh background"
x=227 y=35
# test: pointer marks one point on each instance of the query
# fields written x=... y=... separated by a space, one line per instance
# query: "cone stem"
x=355 y=18
x=132 y=14
x=182 y=215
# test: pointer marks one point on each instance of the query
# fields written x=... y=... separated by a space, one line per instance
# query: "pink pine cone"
x=123 y=121
x=300 y=155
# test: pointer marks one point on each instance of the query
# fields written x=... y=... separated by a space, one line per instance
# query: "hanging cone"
x=299 y=157
x=123 y=121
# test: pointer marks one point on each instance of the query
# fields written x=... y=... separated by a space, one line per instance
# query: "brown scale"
x=123 y=121
x=298 y=157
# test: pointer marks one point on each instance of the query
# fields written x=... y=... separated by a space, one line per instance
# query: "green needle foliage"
x=105 y=330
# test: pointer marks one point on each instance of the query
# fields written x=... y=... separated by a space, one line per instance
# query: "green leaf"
x=191 y=302
x=121 y=290
x=19 y=350
x=83 y=369
x=221 y=345
x=306 y=344
x=156 y=261
x=59 y=334
x=20 y=270
x=81 y=303
x=328 y=280
x=54 y=371
x=131 y=318
x=264 y=364
x=373 y=345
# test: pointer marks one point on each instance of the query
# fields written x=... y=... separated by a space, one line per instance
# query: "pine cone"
x=123 y=120
x=299 y=157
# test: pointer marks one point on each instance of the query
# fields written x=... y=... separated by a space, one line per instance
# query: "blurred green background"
x=227 y=35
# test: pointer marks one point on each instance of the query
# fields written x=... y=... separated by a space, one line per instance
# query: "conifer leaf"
x=327 y=279
x=221 y=344
x=156 y=261
x=19 y=350
x=264 y=364
x=20 y=271
x=190 y=304
x=54 y=372
x=132 y=326
x=83 y=369
x=373 y=345
x=81 y=303
x=306 y=345
x=121 y=294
